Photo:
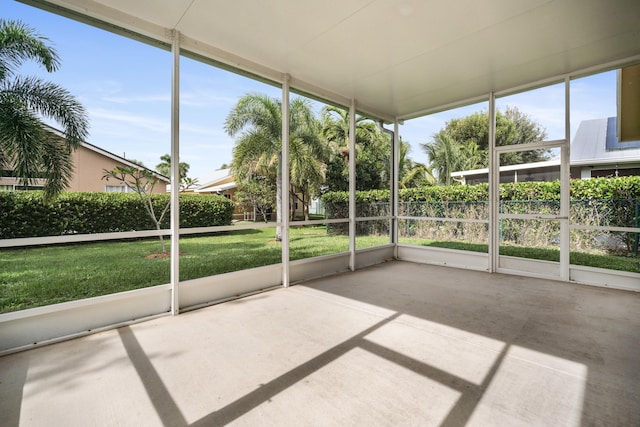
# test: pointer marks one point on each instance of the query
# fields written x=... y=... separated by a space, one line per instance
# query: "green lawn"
x=32 y=277
x=621 y=263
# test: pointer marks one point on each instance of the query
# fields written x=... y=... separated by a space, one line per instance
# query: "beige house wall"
x=239 y=210
x=15 y=181
x=89 y=166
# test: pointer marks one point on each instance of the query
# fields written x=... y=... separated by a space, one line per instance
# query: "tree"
x=307 y=156
x=256 y=123
x=26 y=144
x=463 y=143
x=410 y=173
x=372 y=152
x=164 y=167
x=471 y=133
x=445 y=156
x=186 y=183
x=526 y=131
x=141 y=181
x=259 y=194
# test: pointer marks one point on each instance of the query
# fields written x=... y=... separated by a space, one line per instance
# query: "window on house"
x=11 y=173
x=28 y=187
x=117 y=189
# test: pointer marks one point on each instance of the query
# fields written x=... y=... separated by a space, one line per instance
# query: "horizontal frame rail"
x=604 y=228
x=374 y=218
x=530 y=146
x=532 y=217
x=430 y=218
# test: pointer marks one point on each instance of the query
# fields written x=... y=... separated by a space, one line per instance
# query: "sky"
x=125 y=86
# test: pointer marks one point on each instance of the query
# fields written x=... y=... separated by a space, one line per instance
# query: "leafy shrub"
x=627 y=187
x=596 y=202
x=24 y=214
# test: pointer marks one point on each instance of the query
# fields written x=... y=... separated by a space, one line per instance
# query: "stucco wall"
x=89 y=169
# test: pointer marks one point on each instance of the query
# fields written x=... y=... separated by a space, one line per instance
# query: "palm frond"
x=50 y=100
x=19 y=43
x=21 y=134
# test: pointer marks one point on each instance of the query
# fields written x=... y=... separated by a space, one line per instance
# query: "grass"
x=38 y=276
x=621 y=263
x=33 y=277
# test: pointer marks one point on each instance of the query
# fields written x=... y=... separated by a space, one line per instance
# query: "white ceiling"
x=396 y=58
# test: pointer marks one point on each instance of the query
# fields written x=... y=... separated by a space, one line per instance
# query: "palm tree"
x=335 y=127
x=256 y=123
x=411 y=173
x=372 y=150
x=164 y=167
x=187 y=183
x=307 y=154
x=26 y=144
x=444 y=156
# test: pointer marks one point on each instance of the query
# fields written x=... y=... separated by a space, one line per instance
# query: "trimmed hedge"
x=627 y=187
x=24 y=214
x=597 y=202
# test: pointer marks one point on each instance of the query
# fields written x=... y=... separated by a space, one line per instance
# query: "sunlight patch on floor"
x=531 y=387
x=460 y=353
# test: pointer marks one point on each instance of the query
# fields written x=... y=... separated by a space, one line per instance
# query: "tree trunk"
x=303 y=201
x=279 y=201
x=164 y=249
x=292 y=204
x=149 y=208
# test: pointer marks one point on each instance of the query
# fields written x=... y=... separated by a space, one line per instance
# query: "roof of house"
x=596 y=142
x=110 y=155
x=215 y=182
x=212 y=178
x=394 y=59
x=216 y=188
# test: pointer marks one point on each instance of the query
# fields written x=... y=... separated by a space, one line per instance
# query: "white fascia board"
x=89 y=10
x=547 y=163
x=620 y=161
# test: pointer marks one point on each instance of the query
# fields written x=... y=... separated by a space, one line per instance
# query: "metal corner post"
x=394 y=187
x=352 y=185
x=565 y=175
x=175 y=173
x=494 y=189
x=285 y=180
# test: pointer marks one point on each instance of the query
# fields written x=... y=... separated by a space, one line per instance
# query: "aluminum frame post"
x=284 y=159
x=494 y=189
x=565 y=175
x=394 y=187
x=352 y=185
x=175 y=174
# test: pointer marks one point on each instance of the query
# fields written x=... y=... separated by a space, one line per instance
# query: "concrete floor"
x=395 y=344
